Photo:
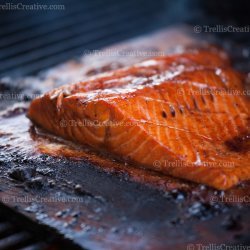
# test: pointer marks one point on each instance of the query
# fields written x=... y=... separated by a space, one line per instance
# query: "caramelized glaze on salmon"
x=184 y=115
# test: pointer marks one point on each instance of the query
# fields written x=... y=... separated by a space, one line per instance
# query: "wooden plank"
x=99 y=203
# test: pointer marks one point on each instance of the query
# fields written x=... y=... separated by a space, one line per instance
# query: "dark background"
x=33 y=40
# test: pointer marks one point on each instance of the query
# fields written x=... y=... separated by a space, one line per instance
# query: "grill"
x=16 y=233
x=33 y=41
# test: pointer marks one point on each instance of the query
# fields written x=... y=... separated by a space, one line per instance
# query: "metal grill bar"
x=74 y=27
x=64 y=46
x=15 y=33
x=15 y=241
x=26 y=47
x=43 y=63
x=16 y=235
x=35 y=19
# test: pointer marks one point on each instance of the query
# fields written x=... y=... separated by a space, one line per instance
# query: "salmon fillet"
x=184 y=115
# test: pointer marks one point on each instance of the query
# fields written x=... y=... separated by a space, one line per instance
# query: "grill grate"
x=13 y=237
x=35 y=40
x=16 y=233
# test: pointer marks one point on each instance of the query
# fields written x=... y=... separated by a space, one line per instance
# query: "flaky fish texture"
x=184 y=114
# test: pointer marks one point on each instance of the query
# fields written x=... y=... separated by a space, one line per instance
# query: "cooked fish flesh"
x=184 y=114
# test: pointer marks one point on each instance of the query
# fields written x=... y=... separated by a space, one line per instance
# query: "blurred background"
x=33 y=39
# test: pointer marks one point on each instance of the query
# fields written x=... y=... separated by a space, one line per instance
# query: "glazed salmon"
x=185 y=115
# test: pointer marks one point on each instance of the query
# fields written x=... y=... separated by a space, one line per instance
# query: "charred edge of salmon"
x=240 y=143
